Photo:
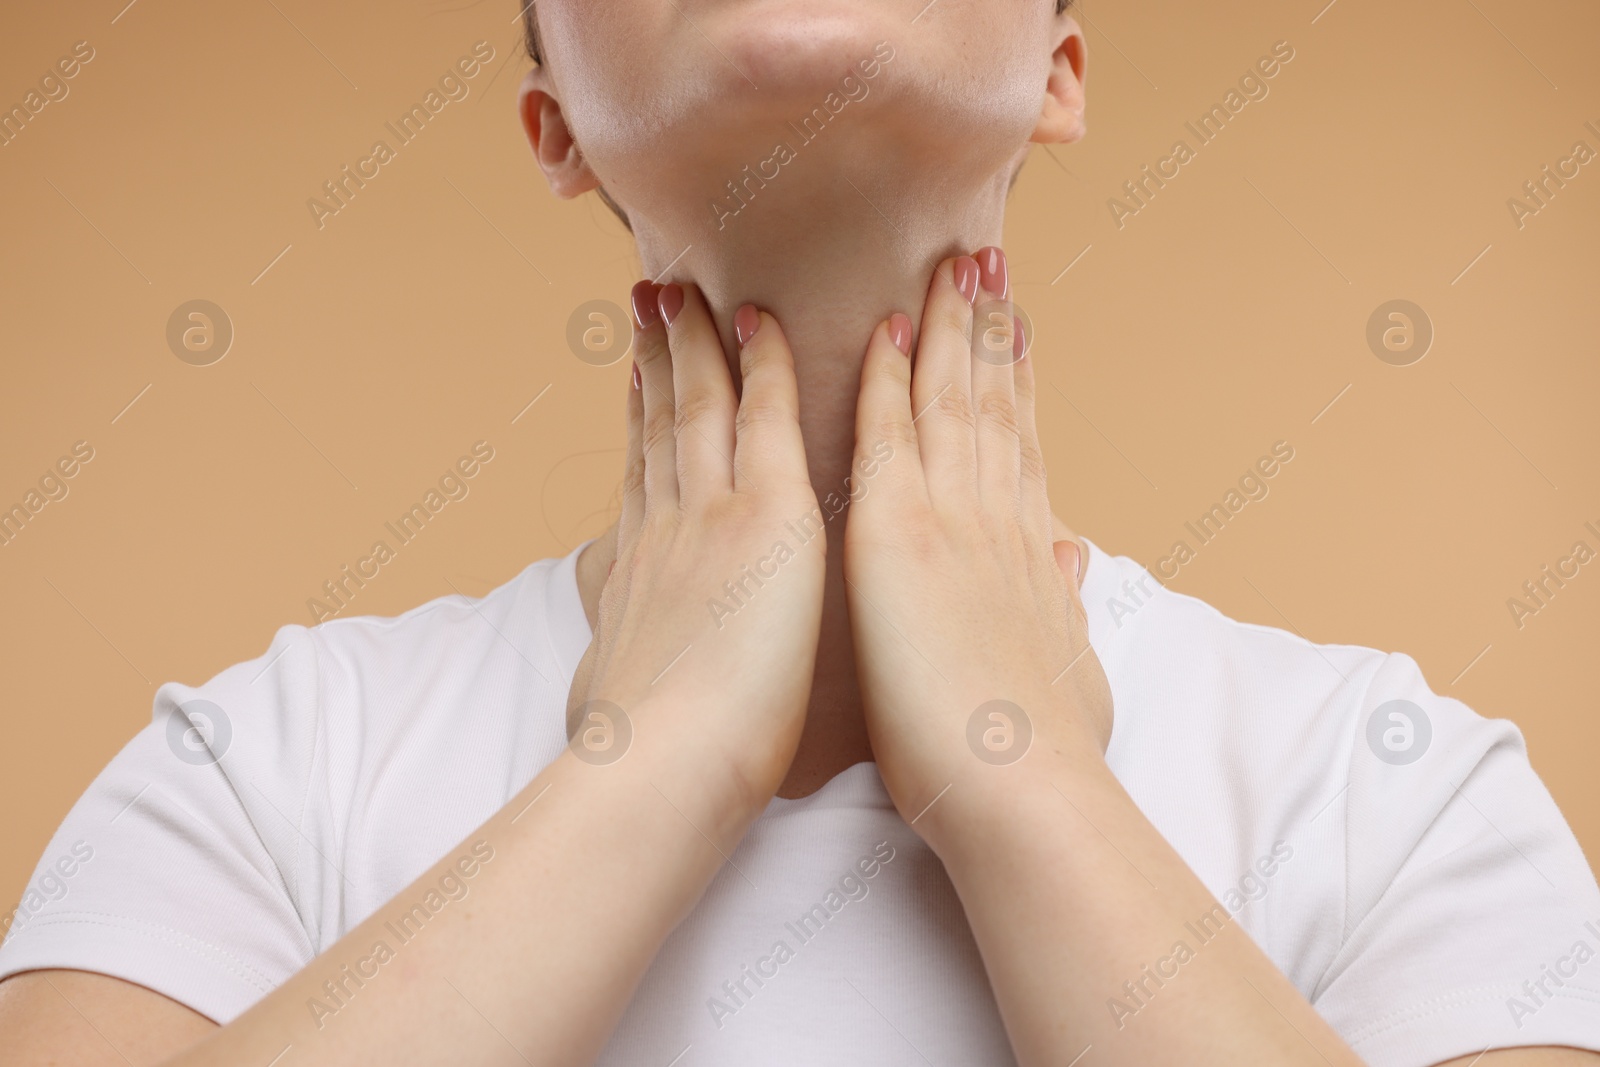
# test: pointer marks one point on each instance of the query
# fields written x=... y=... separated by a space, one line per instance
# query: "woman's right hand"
x=708 y=622
x=587 y=884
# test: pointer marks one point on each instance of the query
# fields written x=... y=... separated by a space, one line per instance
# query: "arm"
x=542 y=953
x=1529 y=1057
x=1098 y=939
x=573 y=886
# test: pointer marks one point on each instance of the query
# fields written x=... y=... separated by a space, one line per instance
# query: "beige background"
x=429 y=312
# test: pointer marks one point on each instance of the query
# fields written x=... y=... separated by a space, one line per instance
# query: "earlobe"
x=1061 y=118
x=554 y=148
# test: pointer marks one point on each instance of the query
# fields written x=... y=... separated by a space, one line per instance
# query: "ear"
x=555 y=150
x=1061 y=114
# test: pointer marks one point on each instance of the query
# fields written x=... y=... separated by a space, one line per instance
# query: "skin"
x=953 y=558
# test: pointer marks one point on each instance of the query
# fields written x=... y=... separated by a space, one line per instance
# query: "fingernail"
x=746 y=321
x=900 y=332
x=966 y=275
x=1019 y=343
x=1077 y=558
x=644 y=304
x=670 y=300
x=996 y=278
x=636 y=378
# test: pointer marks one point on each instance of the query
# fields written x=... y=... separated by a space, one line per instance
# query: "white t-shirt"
x=1400 y=862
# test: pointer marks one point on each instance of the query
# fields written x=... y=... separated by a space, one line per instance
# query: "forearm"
x=589 y=868
x=1095 y=932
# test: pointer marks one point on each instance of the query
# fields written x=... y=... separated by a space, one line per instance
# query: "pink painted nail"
x=966 y=276
x=996 y=279
x=900 y=332
x=670 y=300
x=746 y=321
x=644 y=304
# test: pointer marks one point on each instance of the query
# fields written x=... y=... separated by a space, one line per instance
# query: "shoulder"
x=326 y=695
x=535 y=618
x=1271 y=705
x=1159 y=643
x=1403 y=808
x=531 y=625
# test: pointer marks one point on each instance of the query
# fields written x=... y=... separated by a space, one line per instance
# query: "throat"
x=835 y=734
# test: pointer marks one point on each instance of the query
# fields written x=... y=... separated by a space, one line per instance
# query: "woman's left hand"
x=971 y=642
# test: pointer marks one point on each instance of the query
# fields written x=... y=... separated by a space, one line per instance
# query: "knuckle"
x=757 y=356
x=658 y=430
x=898 y=432
x=655 y=535
x=954 y=405
x=998 y=410
x=755 y=414
x=952 y=318
x=1033 y=468
x=651 y=349
x=633 y=474
x=694 y=407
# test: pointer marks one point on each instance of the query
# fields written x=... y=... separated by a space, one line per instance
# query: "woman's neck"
x=829 y=265
x=830 y=247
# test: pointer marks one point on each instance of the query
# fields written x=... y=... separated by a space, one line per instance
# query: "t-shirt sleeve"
x=1472 y=920
x=194 y=863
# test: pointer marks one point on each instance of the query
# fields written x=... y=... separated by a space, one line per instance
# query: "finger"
x=994 y=401
x=768 y=447
x=657 y=443
x=1069 y=557
x=703 y=393
x=633 y=467
x=885 y=434
x=941 y=380
x=1032 y=486
x=1060 y=531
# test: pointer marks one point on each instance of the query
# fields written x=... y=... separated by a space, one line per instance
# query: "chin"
x=793 y=48
x=776 y=72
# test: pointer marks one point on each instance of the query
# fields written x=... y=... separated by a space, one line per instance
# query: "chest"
x=831 y=937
